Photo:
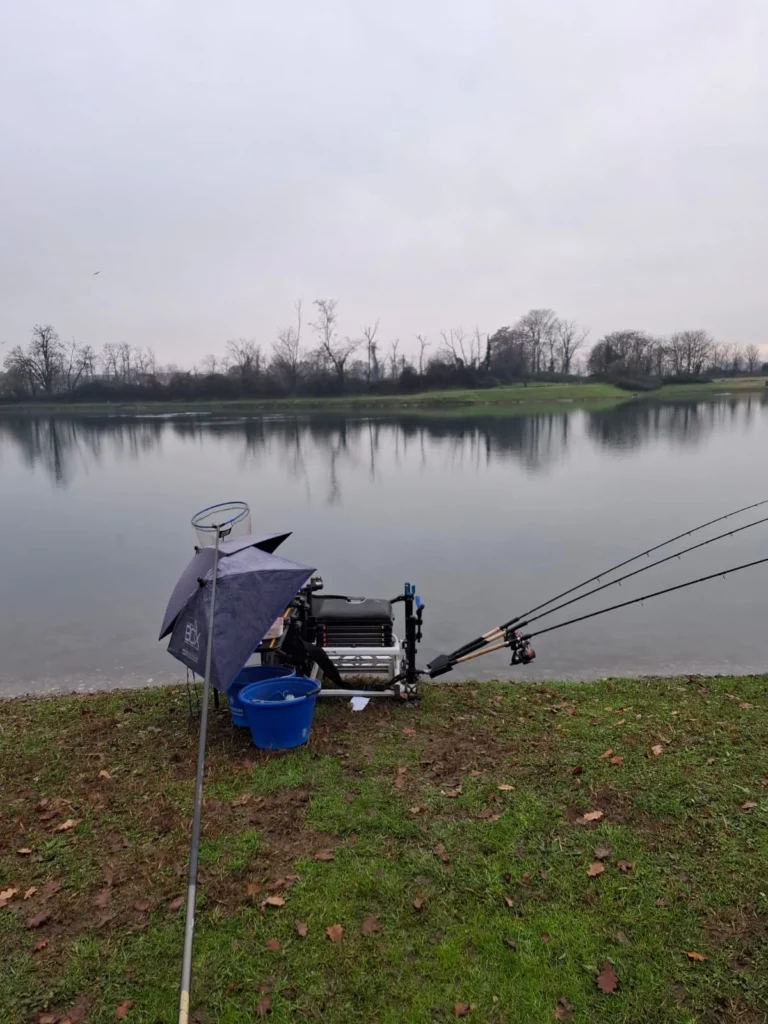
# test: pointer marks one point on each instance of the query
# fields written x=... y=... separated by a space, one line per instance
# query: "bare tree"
x=570 y=338
x=752 y=358
x=45 y=356
x=423 y=346
x=244 y=357
x=212 y=364
x=371 y=351
x=145 y=364
x=333 y=351
x=690 y=351
x=287 y=356
x=77 y=361
x=536 y=328
x=460 y=348
x=393 y=347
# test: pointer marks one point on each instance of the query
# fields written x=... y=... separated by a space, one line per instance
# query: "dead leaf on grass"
x=253 y=889
x=595 y=868
x=121 y=1010
x=451 y=793
x=40 y=945
x=505 y=788
x=407 y=731
x=47 y=1018
x=38 y=920
x=585 y=819
x=624 y=866
x=335 y=933
x=577 y=769
x=370 y=925
x=263 y=1005
x=606 y=753
x=241 y=801
x=617 y=760
x=68 y=825
x=601 y=852
x=487 y=814
x=460 y=1009
x=142 y=906
x=509 y=901
x=698 y=957
x=24 y=851
x=325 y=855
x=30 y=892
x=50 y=889
x=563 y=1009
x=418 y=809
x=623 y=939
x=546 y=937
x=439 y=851
x=748 y=805
x=525 y=877
x=418 y=902
x=510 y=943
x=273 y=901
x=607 y=980
x=273 y=945
x=6 y=896
x=104 y=774
x=301 y=929
x=657 y=749
x=176 y=903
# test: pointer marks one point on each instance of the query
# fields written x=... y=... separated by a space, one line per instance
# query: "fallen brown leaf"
x=418 y=903
x=121 y=1010
x=38 y=920
x=30 y=892
x=79 y=1011
x=325 y=855
x=595 y=868
x=657 y=749
x=607 y=981
x=418 y=809
x=273 y=901
x=68 y=825
x=451 y=793
x=525 y=877
x=176 y=903
x=699 y=957
x=301 y=929
x=509 y=901
x=439 y=851
x=50 y=889
x=487 y=814
x=48 y=1018
x=407 y=731
x=710 y=760
x=104 y=774
x=563 y=1009
x=241 y=801
x=460 y=1009
x=617 y=760
x=748 y=805
x=263 y=1005
x=571 y=710
x=335 y=933
x=510 y=943
x=601 y=852
x=253 y=889
x=505 y=788
x=623 y=939
x=273 y=945
x=142 y=906
x=370 y=925
x=6 y=896
x=577 y=769
x=40 y=945
x=624 y=866
x=546 y=937
x=585 y=819
x=606 y=753
x=24 y=851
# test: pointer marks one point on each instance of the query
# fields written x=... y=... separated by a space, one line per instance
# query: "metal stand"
x=194 y=849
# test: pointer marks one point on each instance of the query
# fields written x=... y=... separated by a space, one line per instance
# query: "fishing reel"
x=522 y=652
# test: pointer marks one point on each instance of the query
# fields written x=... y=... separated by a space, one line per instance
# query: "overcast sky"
x=427 y=163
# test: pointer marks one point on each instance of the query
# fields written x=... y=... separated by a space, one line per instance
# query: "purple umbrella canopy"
x=253 y=587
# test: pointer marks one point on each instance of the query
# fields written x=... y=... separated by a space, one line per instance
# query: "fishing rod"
x=445 y=662
x=520 y=642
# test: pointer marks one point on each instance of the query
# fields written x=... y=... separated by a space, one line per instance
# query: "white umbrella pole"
x=189 y=924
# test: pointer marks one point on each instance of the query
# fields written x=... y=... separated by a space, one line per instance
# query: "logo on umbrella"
x=192 y=635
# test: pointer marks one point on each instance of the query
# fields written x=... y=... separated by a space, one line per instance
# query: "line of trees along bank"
x=314 y=359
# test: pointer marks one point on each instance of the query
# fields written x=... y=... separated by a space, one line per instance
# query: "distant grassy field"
x=501 y=398
x=512 y=854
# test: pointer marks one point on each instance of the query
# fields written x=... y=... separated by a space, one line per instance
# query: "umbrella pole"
x=189 y=922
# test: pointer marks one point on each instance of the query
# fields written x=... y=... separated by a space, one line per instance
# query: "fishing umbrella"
x=221 y=607
x=253 y=587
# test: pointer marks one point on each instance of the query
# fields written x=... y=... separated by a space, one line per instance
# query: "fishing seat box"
x=351 y=621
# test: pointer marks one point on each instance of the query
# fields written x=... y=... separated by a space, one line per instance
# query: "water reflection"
x=61 y=445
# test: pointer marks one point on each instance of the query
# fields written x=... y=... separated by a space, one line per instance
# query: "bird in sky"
x=96 y=272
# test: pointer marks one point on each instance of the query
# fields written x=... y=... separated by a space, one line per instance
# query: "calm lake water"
x=488 y=515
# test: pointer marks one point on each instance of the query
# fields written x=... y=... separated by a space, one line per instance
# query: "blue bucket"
x=279 y=711
x=246 y=677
